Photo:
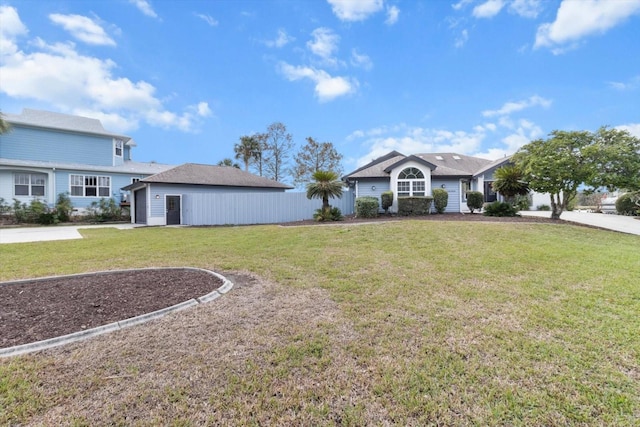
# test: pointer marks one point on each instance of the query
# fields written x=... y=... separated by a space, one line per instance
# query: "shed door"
x=140 y=206
x=173 y=210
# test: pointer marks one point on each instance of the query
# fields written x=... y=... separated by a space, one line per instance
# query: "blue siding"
x=56 y=146
x=365 y=188
x=452 y=186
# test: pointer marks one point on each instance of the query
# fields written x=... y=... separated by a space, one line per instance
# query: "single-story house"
x=197 y=194
x=419 y=174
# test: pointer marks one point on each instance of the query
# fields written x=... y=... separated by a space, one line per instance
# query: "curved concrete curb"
x=89 y=333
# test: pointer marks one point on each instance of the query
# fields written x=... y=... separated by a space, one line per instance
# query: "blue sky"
x=186 y=79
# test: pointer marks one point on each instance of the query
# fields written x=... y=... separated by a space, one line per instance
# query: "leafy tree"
x=326 y=186
x=315 y=156
x=247 y=150
x=276 y=151
x=559 y=165
x=509 y=182
x=4 y=125
x=228 y=162
x=556 y=166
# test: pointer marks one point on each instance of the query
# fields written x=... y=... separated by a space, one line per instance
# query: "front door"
x=140 y=205
x=489 y=195
x=173 y=210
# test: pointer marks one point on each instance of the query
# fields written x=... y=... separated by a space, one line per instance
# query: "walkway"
x=623 y=224
x=41 y=234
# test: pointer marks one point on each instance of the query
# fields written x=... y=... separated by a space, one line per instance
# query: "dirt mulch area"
x=36 y=310
x=350 y=219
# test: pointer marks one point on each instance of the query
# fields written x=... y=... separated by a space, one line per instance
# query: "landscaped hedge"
x=500 y=209
x=440 y=199
x=367 y=207
x=414 y=206
x=387 y=200
x=625 y=204
x=475 y=200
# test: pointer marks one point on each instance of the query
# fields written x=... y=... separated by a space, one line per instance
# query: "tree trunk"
x=556 y=206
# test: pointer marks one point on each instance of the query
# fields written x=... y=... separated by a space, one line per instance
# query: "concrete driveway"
x=623 y=224
x=42 y=234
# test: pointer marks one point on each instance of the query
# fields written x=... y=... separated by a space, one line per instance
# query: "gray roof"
x=129 y=167
x=225 y=176
x=59 y=121
x=494 y=164
x=446 y=165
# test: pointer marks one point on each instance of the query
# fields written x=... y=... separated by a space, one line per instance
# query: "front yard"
x=400 y=323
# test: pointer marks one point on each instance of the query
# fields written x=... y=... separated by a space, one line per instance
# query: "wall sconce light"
x=373 y=187
x=157 y=196
x=443 y=186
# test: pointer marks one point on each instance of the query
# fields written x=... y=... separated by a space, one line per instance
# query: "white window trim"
x=393 y=178
x=98 y=178
x=118 y=144
x=30 y=184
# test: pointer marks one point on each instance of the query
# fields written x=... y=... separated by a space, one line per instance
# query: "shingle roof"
x=446 y=164
x=226 y=176
x=128 y=167
x=493 y=164
x=68 y=122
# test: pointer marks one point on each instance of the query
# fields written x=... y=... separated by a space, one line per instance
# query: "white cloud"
x=512 y=107
x=355 y=10
x=11 y=28
x=83 y=29
x=144 y=7
x=324 y=44
x=526 y=8
x=327 y=87
x=59 y=76
x=461 y=4
x=578 y=19
x=393 y=14
x=208 y=19
x=361 y=60
x=488 y=9
x=282 y=40
x=631 y=84
x=632 y=128
x=462 y=39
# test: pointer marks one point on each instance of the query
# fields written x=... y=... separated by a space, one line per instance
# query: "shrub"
x=500 y=209
x=440 y=200
x=543 y=207
x=5 y=208
x=64 y=207
x=626 y=204
x=367 y=207
x=387 y=200
x=334 y=214
x=36 y=212
x=522 y=202
x=104 y=210
x=414 y=206
x=475 y=200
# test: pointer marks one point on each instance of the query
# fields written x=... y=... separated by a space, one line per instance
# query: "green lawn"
x=402 y=323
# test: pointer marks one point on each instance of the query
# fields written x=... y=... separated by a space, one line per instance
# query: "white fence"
x=255 y=208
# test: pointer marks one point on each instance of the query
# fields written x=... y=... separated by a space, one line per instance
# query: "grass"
x=404 y=323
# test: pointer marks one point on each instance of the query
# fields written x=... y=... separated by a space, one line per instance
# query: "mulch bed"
x=40 y=309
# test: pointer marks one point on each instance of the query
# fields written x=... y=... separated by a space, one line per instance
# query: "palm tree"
x=228 y=162
x=509 y=182
x=326 y=186
x=247 y=150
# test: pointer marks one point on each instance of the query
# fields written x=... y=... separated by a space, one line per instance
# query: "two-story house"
x=45 y=154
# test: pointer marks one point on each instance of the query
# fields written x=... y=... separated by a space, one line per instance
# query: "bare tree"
x=276 y=152
x=316 y=156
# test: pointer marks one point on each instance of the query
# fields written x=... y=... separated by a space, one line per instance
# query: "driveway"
x=623 y=224
x=41 y=234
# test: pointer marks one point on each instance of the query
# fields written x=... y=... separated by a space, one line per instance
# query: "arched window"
x=411 y=182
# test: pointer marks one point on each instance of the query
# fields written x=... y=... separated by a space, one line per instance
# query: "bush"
x=334 y=214
x=440 y=200
x=36 y=212
x=104 y=210
x=387 y=200
x=367 y=207
x=500 y=209
x=414 y=206
x=626 y=204
x=475 y=200
x=64 y=207
x=543 y=207
x=522 y=202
